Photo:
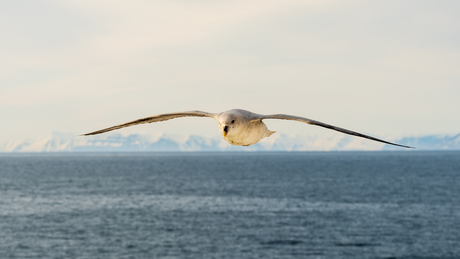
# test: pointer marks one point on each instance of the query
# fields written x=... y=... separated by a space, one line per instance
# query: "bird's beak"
x=225 y=131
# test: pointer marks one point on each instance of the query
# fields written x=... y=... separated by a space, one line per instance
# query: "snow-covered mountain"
x=65 y=142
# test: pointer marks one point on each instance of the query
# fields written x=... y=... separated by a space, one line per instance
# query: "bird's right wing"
x=321 y=124
x=156 y=118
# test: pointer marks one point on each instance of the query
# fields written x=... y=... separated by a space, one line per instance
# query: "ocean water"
x=231 y=205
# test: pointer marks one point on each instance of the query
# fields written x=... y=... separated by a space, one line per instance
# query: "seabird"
x=239 y=127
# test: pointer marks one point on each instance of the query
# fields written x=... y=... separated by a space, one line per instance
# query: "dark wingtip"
x=403 y=146
x=87 y=134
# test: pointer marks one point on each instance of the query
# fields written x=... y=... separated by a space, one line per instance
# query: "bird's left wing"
x=156 y=118
x=317 y=123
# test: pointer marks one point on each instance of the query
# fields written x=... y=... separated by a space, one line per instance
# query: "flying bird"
x=239 y=127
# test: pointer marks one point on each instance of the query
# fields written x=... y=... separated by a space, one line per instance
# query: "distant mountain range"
x=65 y=142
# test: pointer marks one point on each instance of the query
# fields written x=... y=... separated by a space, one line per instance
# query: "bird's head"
x=228 y=123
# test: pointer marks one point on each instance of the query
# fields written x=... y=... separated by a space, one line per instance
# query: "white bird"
x=239 y=127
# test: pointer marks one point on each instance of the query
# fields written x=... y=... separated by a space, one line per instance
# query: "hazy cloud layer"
x=380 y=67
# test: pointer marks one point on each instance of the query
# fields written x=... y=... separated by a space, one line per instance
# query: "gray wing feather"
x=317 y=123
x=156 y=118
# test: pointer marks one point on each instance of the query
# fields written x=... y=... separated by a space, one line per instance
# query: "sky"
x=385 y=68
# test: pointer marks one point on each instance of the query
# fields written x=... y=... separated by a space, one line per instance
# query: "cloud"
x=343 y=62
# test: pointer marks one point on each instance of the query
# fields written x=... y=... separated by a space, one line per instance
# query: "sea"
x=401 y=205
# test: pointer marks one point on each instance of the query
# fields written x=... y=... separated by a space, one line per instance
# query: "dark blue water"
x=231 y=205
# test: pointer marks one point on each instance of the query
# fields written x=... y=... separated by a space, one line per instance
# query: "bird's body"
x=239 y=127
x=243 y=127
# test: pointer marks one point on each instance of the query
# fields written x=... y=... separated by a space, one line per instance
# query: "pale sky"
x=383 y=68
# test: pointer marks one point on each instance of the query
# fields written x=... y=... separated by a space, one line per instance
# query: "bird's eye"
x=233 y=121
